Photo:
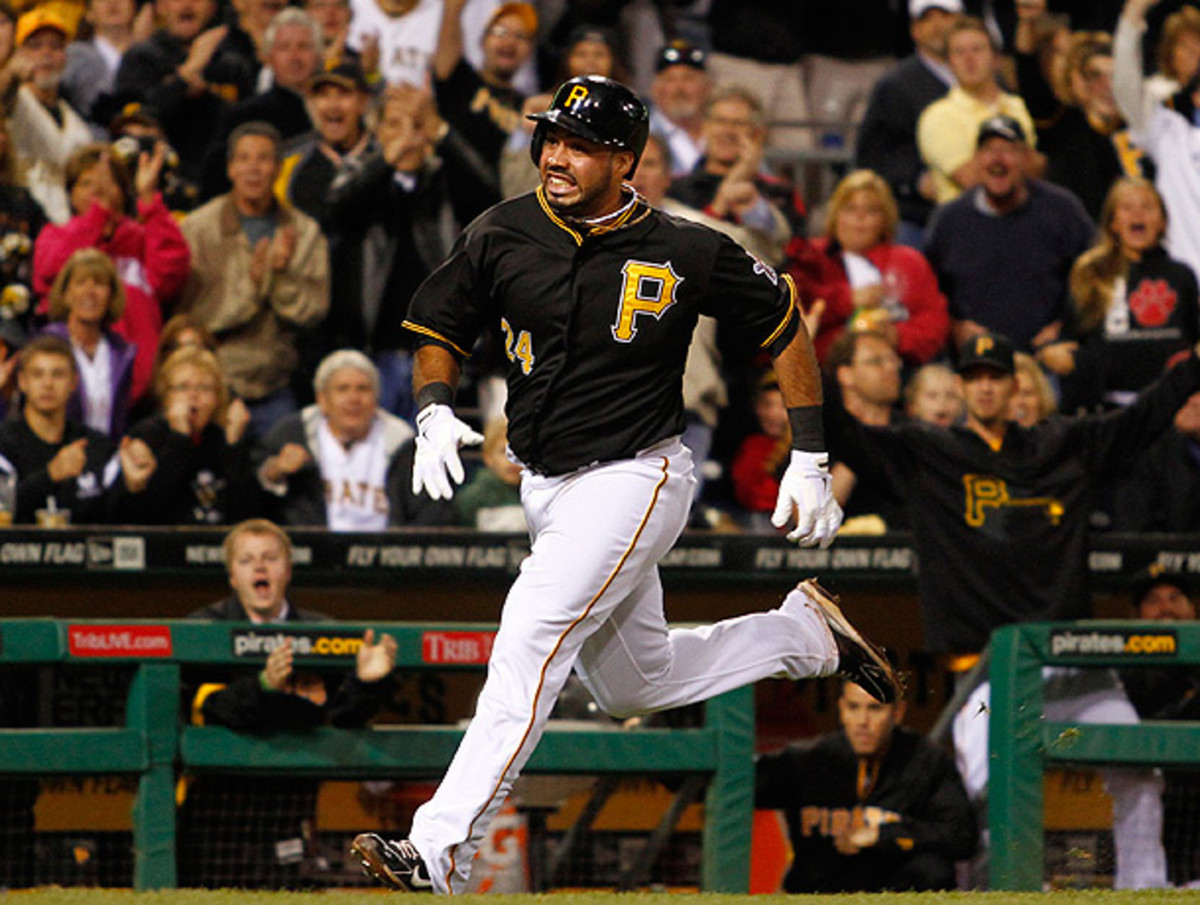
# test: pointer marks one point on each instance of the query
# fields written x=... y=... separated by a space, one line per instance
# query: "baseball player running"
x=596 y=294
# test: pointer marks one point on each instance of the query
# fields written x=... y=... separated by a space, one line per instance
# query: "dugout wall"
x=1022 y=743
x=154 y=746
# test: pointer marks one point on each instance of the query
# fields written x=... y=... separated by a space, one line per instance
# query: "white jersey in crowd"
x=355 y=480
x=406 y=43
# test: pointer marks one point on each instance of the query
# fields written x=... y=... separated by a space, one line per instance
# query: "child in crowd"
x=933 y=395
x=763 y=456
x=491 y=501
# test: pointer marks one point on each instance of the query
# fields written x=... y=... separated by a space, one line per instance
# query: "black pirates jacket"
x=596 y=326
x=1001 y=534
x=913 y=793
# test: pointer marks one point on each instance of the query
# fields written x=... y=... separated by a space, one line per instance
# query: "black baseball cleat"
x=395 y=864
x=859 y=660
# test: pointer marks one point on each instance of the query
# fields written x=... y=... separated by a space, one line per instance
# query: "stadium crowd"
x=269 y=183
x=213 y=217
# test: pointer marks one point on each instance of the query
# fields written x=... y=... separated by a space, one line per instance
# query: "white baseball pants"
x=588 y=597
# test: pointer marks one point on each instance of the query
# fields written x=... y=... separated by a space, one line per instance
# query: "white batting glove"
x=807 y=491
x=436 y=461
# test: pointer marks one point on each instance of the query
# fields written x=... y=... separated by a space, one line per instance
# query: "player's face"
x=1166 y=603
x=1138 y=221
x=506 y=46
x=252 y=169
x=337 y=113
x=680 y=92
x=988 y=394
x=87 y=296
x=860 y=222
x=867 y=723
x=937 y=399
x=47 y=382
x=259 y=573
x=348 y=404
x=581 y=178
x=971 y=58
x=653 y=175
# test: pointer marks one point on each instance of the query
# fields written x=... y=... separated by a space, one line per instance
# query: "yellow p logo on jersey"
x=578 y=94
x=645 y=289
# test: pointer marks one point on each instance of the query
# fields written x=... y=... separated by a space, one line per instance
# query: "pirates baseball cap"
x=38 y=18
x=1149 y=578
x=347 y=74
x=1000 y=126
x=524 y=11
x=991 y=350
x=681 y=53
x=918 y=8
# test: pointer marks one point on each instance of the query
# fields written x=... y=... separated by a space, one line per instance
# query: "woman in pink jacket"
x=151 y=255
x=866 y=281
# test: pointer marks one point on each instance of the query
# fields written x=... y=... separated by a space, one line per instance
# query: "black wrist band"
x=437 y=392
x=808 y=428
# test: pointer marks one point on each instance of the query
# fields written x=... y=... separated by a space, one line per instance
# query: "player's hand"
x=436 y=461
x=806 y=491
x=854 y=840
x=375 y=660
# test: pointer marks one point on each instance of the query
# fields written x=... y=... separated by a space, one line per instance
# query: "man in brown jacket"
x=259 y=279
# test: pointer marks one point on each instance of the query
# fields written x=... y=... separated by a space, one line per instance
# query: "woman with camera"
x=149 y=250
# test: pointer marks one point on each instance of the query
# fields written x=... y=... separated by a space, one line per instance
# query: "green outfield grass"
x=235 y=897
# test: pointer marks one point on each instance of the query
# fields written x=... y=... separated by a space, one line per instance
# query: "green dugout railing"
x=1022 y=742
x=156 y=746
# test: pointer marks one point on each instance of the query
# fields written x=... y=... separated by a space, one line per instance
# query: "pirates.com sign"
x=1113 y=642
x=304 y=643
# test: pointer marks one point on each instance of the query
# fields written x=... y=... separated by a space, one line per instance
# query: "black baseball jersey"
x=913 y=794
x=596 y=325
x=1001 y=534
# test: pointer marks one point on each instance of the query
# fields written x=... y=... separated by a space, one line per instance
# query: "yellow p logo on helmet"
x=983 y=344
x=577 y=94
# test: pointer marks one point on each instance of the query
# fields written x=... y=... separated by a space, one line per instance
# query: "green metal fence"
x=1022 y=743
x=156 y=746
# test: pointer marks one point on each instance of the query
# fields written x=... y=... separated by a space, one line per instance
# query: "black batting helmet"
x=600 y=110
